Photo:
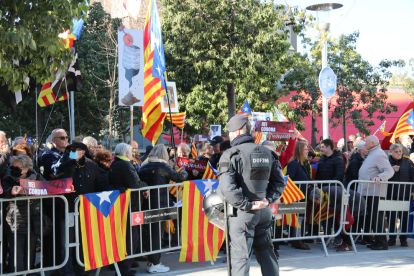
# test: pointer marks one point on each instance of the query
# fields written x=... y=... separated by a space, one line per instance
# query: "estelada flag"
x=382 y=129
x=210 y=172
x=405 y=125
x=245 y=109
x=291 y=193
x=178 y=119
x=201 y=240
x=103 y=218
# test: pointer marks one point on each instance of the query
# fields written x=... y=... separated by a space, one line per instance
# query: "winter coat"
x=123 y=175
x=214 y=160
x=16 y=212
x=356 y=202
x=352 y=170
x=4 y=162
x=158 y=172
x=405 y=174
x=299 y=172
x=375 y=165
x=50 y=162
x=331 y=167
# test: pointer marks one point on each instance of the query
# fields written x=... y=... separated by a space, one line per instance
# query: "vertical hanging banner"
x=131 y=67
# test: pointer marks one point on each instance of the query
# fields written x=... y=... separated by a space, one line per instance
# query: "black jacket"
x=4 y=162
x=18 y=208
x=50 y=161
x=331 y=168
x=299 y=172
x=405 y=174
x=352 y=171
x=214 y=160
x=202 y=158
x=123 y=175
x=158 y=173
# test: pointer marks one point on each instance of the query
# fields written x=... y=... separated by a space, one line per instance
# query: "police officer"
x=250 y=180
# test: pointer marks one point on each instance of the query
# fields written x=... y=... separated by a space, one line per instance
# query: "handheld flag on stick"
x=405 y=125
x=210 y=172
x=382 y=130
x=201 y=240
x=103 y=218
x=258 y=138
x=245 y=109
x=279 y=116
x=155 y=85
x=194 y=150
x=291 y=193
x=29 y=140
x=175 y=190
x=178 y=119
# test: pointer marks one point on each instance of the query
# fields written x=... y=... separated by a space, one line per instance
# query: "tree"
x=404 y=79
x=357 y=97
x=221 y=53
x=29 y=34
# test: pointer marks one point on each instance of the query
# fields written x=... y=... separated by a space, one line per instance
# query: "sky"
x=386 y=26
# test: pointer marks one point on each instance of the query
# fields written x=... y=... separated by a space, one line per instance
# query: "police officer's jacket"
x=249 y=172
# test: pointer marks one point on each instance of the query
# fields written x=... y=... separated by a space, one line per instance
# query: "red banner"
x=41 y=188
x=191 y=164
x=279 y=131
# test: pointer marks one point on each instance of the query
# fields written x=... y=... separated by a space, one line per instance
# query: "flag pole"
x=378 y=128
x=182 y=135
x=69 y=113
x=171 y=125
x=72 y=113
x=37 y=124
x=131 y=138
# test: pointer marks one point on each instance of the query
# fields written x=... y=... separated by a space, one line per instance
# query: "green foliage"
x=29 y=32
x=404 y=79
x=211 y=45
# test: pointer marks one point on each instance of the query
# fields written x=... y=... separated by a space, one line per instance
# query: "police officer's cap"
x=237 y=122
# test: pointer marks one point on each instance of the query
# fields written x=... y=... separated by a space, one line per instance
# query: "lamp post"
x=323 y=16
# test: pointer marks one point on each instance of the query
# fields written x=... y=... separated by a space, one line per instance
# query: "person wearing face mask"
x=403 y=172
x=17 y=214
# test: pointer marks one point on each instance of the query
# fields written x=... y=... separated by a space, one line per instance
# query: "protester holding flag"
x=123 y=175
x=156 y=171
x=250 y=179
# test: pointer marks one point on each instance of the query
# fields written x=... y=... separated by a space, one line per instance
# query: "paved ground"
x=397 y=261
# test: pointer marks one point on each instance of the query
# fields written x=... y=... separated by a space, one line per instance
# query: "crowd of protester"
x=94 y=169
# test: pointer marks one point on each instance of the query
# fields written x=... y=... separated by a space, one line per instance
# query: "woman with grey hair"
x=123 y=175
x=156 y=171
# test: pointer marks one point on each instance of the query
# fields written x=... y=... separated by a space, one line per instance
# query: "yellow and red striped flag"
x=288 y=219
x=291 y=193
x=194 y=153
x=210 y=172
x=201 y=240
x=178 y=119
x=155 y=85
x=319 y=211
x=245 y=109
x=258 y=138
x=174 y=190
x=48 y=96
x=405 y=125
x=103 y=218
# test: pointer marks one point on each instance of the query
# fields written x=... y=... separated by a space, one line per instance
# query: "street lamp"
x=323 y=18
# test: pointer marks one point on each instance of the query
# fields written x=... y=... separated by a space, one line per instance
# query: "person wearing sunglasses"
x=51 y=158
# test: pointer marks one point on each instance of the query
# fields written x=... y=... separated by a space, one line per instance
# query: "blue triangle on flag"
x=103 y=201
x=205 y=185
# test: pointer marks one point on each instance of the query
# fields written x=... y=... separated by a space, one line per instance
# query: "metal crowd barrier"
x=148 y=217
x=308 y=219
x=385 y=202
x=24 y=259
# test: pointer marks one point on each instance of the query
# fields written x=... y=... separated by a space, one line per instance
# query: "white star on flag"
x=246 y=109
x=104 y=196
x=411 y=121
x=159 y=70
x=209 y=185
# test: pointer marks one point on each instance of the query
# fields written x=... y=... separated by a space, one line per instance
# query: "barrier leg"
x=117 y=269
x=324 y=247
x=353 y=243
x=226 y=226
x=98 y=270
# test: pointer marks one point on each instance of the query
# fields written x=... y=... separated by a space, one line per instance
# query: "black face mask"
x=15 y=171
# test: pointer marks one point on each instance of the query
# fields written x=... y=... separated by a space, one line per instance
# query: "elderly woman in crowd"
x=156 y=171
x=357 y=157
x=103 y=159
x=17 y=213
x=123 y=175
x=403 y=172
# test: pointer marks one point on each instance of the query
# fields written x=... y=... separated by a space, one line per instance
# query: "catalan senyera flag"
x=382 y=129
x=201 y=240
x=29 y=140
x=103 y=218
x=319 y=212
x=155 y=83
x=194 y=153
x=210 y=172
x=175 y=190
x=405 y=126
x=245 y=109
x=178 y=119
x=48 y=96
x=258 y=138
x=291 y=193
x=288 y=219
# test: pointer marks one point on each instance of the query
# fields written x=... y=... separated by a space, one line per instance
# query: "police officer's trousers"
x=251 y=230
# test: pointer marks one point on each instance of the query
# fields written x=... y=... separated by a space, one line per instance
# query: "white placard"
x=131 y=67
x=172 y=93
x=260 y=116
x=215 y=131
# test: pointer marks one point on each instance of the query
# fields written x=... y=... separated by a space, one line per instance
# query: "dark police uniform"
x=249 y=172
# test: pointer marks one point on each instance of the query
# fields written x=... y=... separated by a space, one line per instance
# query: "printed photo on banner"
x=215 y=131
x=131 y=67
x=172 y=94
